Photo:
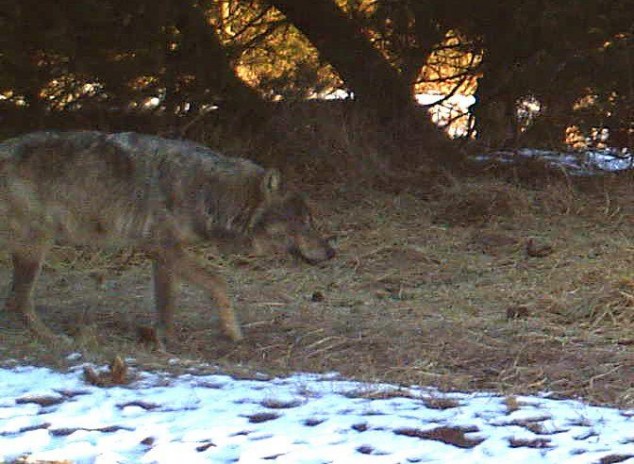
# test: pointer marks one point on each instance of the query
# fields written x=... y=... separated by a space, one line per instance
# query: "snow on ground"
x=304 y=418
x=587 y=162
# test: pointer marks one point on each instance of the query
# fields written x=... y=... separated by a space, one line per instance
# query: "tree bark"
x=340 y=42
x=377 y=86
x=206 y=57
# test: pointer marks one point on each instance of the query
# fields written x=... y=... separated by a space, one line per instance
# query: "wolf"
x=156 y=195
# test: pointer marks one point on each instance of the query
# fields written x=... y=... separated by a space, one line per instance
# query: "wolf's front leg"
x=185 y=267
x=164 y=285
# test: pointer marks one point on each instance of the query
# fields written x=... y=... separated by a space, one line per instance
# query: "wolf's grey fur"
x=155 y=194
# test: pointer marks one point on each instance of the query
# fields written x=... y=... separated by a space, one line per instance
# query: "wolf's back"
x=71 y=186
x=89 y=186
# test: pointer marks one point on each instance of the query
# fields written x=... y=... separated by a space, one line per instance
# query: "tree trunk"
x=202 y=54
x=376 y=85
x=340 y=42
x=495 y=109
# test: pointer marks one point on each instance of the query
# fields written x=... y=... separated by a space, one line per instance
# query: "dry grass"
x=428 y=288
x=329 y=140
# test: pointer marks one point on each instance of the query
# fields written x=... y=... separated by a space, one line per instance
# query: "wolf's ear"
x=272 y=181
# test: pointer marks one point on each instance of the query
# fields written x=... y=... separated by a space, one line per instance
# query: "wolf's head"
x=284 y=222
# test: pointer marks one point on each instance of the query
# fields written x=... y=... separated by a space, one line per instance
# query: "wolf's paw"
x=234 y=333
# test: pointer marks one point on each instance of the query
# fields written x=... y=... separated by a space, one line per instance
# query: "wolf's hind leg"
x=27 y=264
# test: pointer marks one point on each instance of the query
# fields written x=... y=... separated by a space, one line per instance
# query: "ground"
x=489 y=282
x=48 y=417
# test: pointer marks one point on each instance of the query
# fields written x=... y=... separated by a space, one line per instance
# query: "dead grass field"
x=462 y=283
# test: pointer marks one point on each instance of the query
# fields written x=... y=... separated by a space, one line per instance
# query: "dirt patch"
x=419 y=293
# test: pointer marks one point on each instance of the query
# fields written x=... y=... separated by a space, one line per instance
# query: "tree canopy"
x=538 y=69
